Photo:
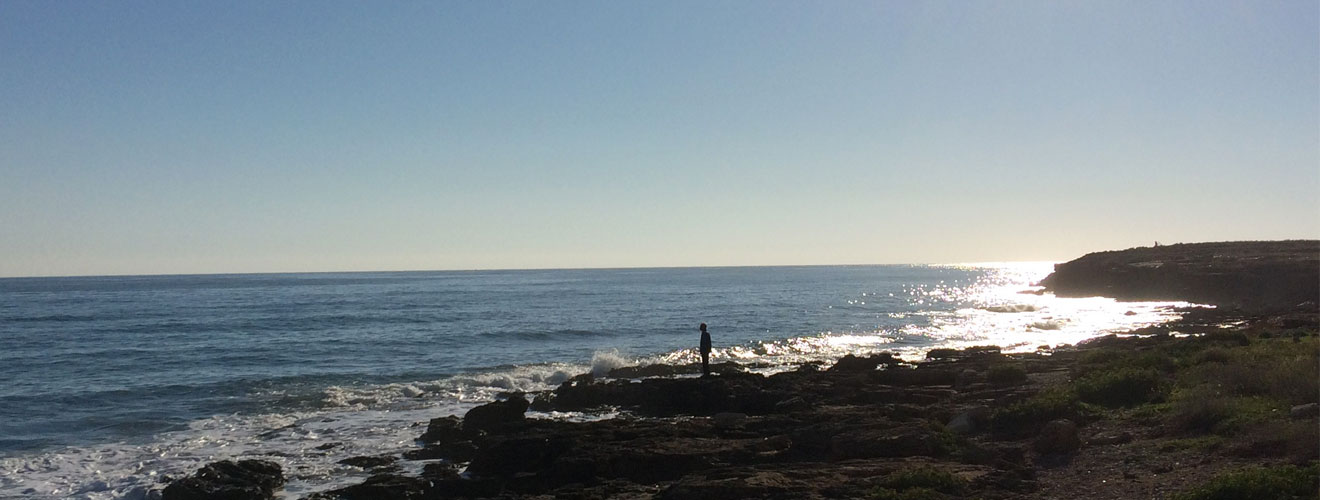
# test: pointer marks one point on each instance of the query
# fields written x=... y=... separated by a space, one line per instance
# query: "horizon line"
x=475 y=270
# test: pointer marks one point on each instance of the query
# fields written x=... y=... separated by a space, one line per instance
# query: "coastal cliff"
x=1267 y=275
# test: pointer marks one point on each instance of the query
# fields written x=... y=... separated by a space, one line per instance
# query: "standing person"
x=705 y=351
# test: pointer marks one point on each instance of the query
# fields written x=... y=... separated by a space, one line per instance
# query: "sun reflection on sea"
x=1004 y=307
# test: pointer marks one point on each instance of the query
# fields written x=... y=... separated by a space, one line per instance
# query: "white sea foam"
x=1011 y=308
x=355 y=421
x=604 y=361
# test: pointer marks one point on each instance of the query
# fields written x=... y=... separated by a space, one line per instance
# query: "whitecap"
x=604 y=361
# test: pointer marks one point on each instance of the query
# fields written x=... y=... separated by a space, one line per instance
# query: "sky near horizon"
x=196 y=137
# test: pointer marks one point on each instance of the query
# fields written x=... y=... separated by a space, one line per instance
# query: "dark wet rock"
x=458 y=451
x=227 y=480
x=662 y=370
x=542 y=403
x=863 y=364
x=378 y=487
x=657 y=370
x=444 y=430
x=729 y=392
x=441 y=470
x=941 y=353
x=329 y=446
x=369 y=462
x=496 y=414
x=506 y=457
x=1057 y=437
x=982 y=352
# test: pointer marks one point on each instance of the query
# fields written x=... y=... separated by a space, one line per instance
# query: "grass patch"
x=1199 y=443
x=1152 y=414
x=1005 y=374
x=1121 y=387
x=1120 y=358
x=1278 y=370
x=1204 y=410
x=1259 y=482
x=1295 y=440
x=1211 y=355
x=1029 y=416
x=920 y=483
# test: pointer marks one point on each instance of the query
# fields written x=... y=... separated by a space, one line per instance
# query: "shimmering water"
x=113 y=382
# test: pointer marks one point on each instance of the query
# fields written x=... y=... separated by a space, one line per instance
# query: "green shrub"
x=1204 y=411
x=1029 y=416
x=1212 y=355
x=1128 y=386
x=1007 y=374
x=1295 y=440
x=1259 y=482
x=1113 y=359
x=926 y=477
x=1200 y=443
x=1292 y=378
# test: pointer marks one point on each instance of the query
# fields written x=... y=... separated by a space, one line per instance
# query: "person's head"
x=703 y=327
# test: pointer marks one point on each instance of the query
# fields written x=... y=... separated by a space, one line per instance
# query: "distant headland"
x=1267 y=275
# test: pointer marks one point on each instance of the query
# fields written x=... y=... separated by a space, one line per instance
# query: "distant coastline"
x=1245 y=274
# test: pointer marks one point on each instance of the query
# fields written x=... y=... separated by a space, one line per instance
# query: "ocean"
x=113 y=385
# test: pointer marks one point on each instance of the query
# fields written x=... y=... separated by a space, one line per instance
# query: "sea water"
x=113 y=385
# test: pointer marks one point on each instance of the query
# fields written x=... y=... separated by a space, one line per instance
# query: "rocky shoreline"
x=1225 y=398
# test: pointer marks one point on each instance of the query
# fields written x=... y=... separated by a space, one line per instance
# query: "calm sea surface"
x=111 y=383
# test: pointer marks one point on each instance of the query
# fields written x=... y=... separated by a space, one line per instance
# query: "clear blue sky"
x=193 y=137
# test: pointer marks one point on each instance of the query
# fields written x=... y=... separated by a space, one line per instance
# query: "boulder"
x=1308 y=410
x=443 y=430
x=1058 y=437
x=496 y=414
x=851 y=363
x=228 y=480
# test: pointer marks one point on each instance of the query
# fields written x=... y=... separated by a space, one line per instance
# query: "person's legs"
x=705 y=363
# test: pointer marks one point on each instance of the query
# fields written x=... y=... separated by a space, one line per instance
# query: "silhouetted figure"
x=705 y=351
